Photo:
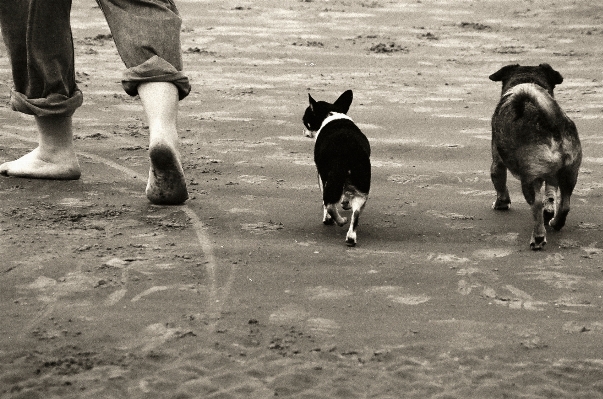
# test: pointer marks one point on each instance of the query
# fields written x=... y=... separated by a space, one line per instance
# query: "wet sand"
x=243 y=292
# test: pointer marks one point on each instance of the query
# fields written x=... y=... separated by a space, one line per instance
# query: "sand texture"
x=242 y=292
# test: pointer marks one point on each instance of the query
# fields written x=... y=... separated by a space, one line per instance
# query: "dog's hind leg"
x=326 y=218
x=498 y=174
x=357 y=203
x=531 y=192
x=550 y=201
x=567 y=182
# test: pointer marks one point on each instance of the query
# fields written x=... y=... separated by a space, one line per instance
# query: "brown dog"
x=537 y=142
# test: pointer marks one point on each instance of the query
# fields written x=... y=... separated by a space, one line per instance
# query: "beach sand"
x=242 y=292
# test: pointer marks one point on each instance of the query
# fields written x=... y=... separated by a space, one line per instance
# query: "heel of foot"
x=166 y=185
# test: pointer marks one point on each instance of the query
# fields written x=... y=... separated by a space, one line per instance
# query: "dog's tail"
x=335 y=181
x=519 y=95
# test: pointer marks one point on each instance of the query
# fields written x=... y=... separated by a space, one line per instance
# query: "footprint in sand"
x=323 y=327
x=290 y=313
x=262 y=227
x=519 y=300
x=447 y=258
x=293 y=313
x=399 y=295
x=319 y=292
x=492 y=253
x=253 y=179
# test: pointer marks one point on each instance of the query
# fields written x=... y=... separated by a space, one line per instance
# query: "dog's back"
x=342 y=156
x=532 y=133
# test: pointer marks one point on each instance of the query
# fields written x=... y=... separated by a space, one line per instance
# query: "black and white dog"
x=534 y=139
x=342 y=157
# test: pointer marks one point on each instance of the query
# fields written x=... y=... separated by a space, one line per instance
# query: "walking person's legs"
x=166 y=184
x=147 y=37
x=37 y=35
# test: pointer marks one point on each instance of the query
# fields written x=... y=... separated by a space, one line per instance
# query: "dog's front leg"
x=334 y=213
x=498 y=174
x=531 y=192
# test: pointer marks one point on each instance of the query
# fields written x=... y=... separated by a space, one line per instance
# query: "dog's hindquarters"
x=332 y=179
x=567 y=178
x=538 y=143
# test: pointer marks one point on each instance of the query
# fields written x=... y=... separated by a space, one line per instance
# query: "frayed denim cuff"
x=155 y=69
x=53 y=105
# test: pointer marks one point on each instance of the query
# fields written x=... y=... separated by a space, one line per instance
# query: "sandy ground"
x=242 y=292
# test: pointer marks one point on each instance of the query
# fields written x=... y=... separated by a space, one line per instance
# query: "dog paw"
x=350 y=240
x=328 y=221
x=537 y=243
x=548 y=217
x=558 y=222
x=556 y=225
x=499 y=205
x=342 y=221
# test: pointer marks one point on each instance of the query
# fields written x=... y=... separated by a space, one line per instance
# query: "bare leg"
x=166 y=185
x=54 y=158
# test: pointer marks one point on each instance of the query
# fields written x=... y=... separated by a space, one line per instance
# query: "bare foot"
x=54 y=158
x=39 y=164
x=166 y=185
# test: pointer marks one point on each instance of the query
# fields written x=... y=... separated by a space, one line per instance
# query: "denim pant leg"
x=147 y=37
x=37 y=34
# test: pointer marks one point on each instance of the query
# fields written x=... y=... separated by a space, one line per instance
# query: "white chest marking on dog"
x=332 y=116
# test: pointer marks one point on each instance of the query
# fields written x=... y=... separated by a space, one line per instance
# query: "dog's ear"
x=554 y=77
x=503 y=72
x=312 y=102
x=344 y=101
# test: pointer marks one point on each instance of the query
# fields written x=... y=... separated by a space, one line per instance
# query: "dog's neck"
x=332 y=116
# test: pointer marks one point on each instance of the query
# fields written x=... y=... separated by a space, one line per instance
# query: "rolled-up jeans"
x=37 y=34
